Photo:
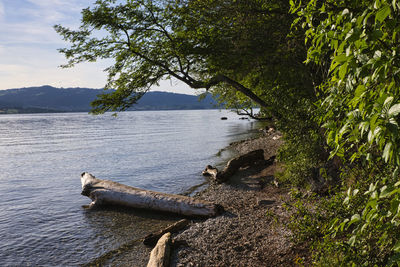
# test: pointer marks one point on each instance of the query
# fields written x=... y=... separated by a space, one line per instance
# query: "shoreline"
x=134 y=251
x=253 y=229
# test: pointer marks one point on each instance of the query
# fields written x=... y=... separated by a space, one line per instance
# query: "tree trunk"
x=109 y=192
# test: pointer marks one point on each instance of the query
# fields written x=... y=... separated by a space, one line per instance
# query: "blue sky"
x=28 y=47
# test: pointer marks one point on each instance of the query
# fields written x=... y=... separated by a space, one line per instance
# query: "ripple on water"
x=42 y=221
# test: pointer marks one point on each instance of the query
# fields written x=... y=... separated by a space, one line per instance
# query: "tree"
x=148 y=43
x=221 y=46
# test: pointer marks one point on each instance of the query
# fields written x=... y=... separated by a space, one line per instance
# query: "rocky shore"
x=253 y=229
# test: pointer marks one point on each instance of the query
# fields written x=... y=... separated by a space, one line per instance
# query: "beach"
x=253 y=229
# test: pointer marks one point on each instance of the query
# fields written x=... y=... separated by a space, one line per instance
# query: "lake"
x=42 y=218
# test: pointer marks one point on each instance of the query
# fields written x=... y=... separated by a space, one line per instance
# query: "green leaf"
x=355 y=218
x=394 y=110
x=377 y=131
x=386 y=151
x=373 y=120
x=388 y=101
x=373 y=204
x=384 y=192
x=372 y=187
x=343 y=71
x=382 y=14
x=396 y=247
x=346 y=201
x=343 y=224
x=345 y=12
x=377 y=4
x=355 y=192
x=360 y=89
x=363 y=126
x=340 y=58
x=377 y=54
x=352 y=241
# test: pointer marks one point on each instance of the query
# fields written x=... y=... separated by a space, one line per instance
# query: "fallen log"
x=159 y=256
x=109 y=192
x=234 y=165
x=151 y=239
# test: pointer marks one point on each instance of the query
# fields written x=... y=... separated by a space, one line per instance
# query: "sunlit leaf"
x=383 y=13
x=394 y=110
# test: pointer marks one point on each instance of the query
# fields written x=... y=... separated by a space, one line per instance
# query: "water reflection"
x=118 y=232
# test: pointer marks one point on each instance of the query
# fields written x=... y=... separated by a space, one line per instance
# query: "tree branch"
x=251 y=115
x=239 y=87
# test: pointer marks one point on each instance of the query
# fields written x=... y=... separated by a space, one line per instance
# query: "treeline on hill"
x=326 y=73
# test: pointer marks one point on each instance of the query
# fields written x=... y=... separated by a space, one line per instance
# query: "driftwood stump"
x=159 y=256
x=109 y=192
x=234 y=165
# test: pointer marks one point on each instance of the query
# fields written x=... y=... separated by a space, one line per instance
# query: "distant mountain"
x=51 y=99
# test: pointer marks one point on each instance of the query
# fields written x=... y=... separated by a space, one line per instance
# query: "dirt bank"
x=253 y=229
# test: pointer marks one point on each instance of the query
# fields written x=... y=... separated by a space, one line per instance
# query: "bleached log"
x=151 y=239
x=159 y=256
x=109 y=192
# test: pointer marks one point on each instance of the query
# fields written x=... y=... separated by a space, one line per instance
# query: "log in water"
x=109 y=192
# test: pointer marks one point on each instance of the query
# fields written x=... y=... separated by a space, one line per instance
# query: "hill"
x=51 y=99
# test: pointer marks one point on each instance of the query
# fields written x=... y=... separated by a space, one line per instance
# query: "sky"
x=28 y=47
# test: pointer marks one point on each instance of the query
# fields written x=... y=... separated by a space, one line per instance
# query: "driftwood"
x=211 y=171
x=234 y=165
x=109 y=192
x=159 y=256
x=151 y=239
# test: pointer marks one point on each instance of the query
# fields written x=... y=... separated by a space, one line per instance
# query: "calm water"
x=42 y=221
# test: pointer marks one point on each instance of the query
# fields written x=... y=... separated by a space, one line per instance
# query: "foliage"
x=359 y=40
x=355 y=227
x=302 y=156
x=361 y=93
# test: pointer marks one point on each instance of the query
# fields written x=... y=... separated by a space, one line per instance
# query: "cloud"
x=28 y=34
x=56 y=11
x=2 y=10
x=28 y=46
x=32 y=21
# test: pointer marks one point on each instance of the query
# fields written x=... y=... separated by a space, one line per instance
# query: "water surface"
x=42 y=221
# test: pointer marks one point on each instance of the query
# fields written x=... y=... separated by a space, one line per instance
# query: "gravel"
x=253 y=229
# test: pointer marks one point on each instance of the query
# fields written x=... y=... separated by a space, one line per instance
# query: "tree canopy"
x=239 y=46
